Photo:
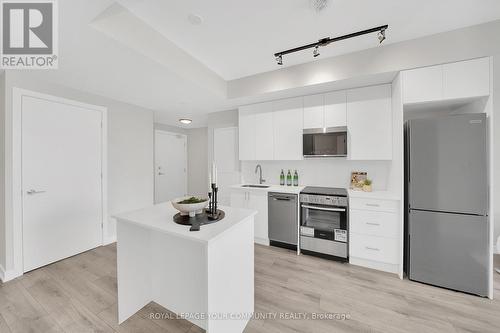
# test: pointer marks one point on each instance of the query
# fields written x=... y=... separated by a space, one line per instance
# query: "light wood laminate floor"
x=79 y=295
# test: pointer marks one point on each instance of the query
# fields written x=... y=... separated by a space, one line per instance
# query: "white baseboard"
x=380 y=266
x=109 y=240
x=261 y=241
x=6 y=276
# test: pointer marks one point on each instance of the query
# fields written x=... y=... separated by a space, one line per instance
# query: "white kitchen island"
x=206 y=276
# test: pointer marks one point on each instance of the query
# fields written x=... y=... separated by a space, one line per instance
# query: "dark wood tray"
x=199 y=219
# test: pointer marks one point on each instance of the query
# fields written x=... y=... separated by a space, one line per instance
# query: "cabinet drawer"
x=373 y=223
x=374 y=204
x=374 y=248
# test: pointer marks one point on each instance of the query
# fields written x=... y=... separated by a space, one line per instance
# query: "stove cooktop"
x=330 y=191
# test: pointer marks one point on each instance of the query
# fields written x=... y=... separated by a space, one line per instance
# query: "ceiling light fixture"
x=185 y=121
x=316 y=51
x=328 y=40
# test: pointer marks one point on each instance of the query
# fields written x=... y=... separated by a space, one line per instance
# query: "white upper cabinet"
x=314 y=111
x=264 y=135
x=271 y=131
x=335 y=109
x=288 y=126
x=246 y=130
x=423 y=84
x=459 y=80
x=369 y=123
x=466 y=79
x=256 y=132
x=325 y=110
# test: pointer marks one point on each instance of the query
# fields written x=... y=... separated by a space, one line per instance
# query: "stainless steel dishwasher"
x=283 y=219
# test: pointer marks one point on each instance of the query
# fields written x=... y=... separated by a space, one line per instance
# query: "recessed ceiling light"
x=195 y=19
x=185 y=121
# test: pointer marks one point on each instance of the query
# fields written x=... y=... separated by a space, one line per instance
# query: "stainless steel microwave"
x=325 y=142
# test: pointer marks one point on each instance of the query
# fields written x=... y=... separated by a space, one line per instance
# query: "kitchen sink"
x=256 y=186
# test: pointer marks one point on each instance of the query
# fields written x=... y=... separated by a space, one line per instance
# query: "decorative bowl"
x=189 y=209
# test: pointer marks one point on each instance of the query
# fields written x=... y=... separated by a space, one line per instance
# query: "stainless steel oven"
x=324 y=226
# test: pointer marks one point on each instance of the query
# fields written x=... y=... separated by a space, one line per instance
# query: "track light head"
x=316 y=51
x=279 y=59
x=381 y=36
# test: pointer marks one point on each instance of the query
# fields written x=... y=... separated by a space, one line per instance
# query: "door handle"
x=161 y=174
x=33 y=192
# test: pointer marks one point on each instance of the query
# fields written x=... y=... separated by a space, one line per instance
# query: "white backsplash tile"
x=327 y=172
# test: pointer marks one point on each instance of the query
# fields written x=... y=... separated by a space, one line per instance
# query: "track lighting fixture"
x=279 y=59
x=327 y=41
x=316 y=51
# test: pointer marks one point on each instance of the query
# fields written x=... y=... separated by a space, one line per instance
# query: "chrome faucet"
x=258 y=167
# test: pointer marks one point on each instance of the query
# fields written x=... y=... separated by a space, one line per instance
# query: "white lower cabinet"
x=374 y=223
x=380 y=249
x=375 y=234
x=254 y=200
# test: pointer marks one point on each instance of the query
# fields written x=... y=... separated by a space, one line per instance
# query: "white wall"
x=169 y=128
x=219 y=120
x=130 y=151
x=197 y=161
x=2 y=171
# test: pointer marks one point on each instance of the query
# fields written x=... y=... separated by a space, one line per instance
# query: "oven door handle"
x=324 y=208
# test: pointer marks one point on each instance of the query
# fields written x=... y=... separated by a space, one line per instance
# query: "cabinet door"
x=466 y=79
x=423 y=85
x=264 y=133
x=258 y=201
x=314 y=111
x=288 y=126
x=335 y=109
x=246 y=133
x=238 y=199
x=369 y=122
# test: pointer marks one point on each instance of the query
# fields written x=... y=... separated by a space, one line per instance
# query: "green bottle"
x=282 y=178
x=289 y=179
x=295 y=179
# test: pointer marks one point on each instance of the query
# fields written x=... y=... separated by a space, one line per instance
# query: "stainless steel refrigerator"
x=447 y=221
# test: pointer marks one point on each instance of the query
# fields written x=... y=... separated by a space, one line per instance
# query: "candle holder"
x=212 y=211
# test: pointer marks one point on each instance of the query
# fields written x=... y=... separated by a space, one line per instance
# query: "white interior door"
x=226 y=158
x=62 y=180
x=170 y=166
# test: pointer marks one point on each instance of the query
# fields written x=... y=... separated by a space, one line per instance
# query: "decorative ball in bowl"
x=190 y=205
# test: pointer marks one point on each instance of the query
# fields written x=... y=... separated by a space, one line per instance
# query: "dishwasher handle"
x=281 y=199
x=278 y=197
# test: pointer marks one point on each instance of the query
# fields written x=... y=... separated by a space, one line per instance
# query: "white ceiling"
x=238 y=38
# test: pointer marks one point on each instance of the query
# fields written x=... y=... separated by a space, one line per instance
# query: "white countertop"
x=160 y=218
x=383 y=195
x=271 y=188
